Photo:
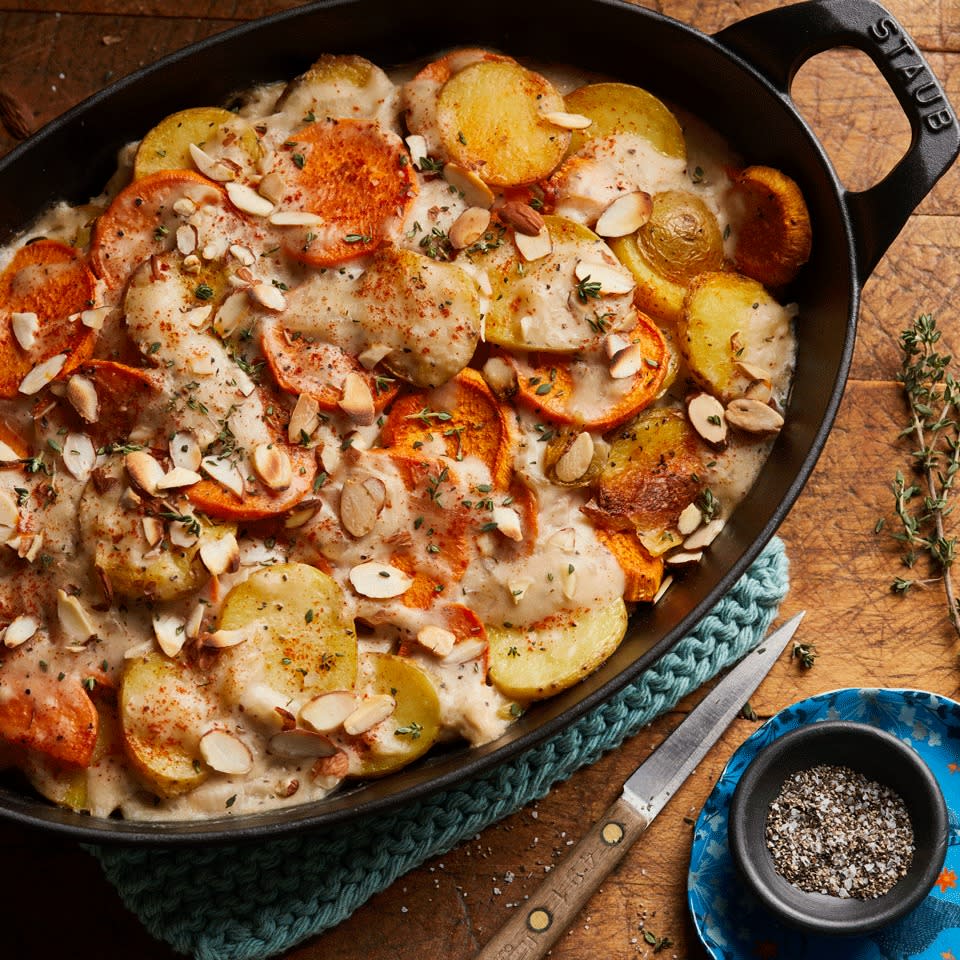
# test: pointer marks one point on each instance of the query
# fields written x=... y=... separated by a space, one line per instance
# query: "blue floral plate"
x=733 y=925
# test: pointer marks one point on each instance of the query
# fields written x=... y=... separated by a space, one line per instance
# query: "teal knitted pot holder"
x=216 y=904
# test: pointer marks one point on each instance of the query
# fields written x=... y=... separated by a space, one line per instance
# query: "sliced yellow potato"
x=491 y=121
x=730 y=320
x=622 y=108
x=410 y=730
x=216 y=131
x=163 y=708
x=542 y=305
x=680 y=241
x=300 y=641
x=529 y=664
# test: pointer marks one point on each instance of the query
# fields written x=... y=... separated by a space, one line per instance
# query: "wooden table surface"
x=56 y=903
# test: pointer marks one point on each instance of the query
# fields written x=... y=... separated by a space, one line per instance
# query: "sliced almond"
x=300 y=744
x=704 y=536
x=568 y=121
x=198 y=316
x=370 y=357
x=327 y=772
x=144 y=471
x=195 y=622
x=465 y=651
x=760 y=390
x=73 y=617
x=518 y=589
x=357 y=400
x=613 y=343
x=706 y=415
x=79 y=455
x=611 y=279
x=535 y=247
x=304 y=513
x=153 y=530
x=469 y=227
x=568 y=581
x=9 y=511
x=220 y=555
x=522 y=217
x=417 y=146
x=372 y=710
x=242 y=254
x=191 y=265
x=326 y=712
x=475 y=192
x=684 y=558
x=182 y=535
x=42 y=374
x=25 y=327
x=360 y=505
x=501 y=377
x=296 y=218
x=187 y=238
x=178 y=477
x=626 y=215
x=304 y=419
x=226 y=753
x=628 y=362
x=232 y=312
x=272 y=465
x=248 y=200
x=95 y=317
x=184 y=451
x=379 y=581
x=224 y=472
x=170 y=632
x=752 y=416
x=184 y=207
x=214 y=249
x=508 y=522
x=221 y=639
x=576 y=459
x=8 y=454
x=20 y=630
x=210 y=167
x=690 y=518
x=272 y=187
x=665 y=585
x=437 y=640
x=268 y=295
x=328 y=456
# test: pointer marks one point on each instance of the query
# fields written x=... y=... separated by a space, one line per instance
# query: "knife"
x=553 y=907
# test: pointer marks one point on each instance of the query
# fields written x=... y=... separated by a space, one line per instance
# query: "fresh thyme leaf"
x=587 y=288
x=806 y=653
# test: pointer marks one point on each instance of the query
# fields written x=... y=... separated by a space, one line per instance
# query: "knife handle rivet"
x=612 y=833
x=539 y=919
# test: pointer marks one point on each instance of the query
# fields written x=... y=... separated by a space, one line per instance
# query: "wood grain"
x=54 y=53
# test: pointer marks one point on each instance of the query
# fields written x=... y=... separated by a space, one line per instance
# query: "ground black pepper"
x=831 y=830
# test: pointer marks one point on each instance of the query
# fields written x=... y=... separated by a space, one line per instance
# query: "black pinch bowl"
x=879 y=756
x=738 y=81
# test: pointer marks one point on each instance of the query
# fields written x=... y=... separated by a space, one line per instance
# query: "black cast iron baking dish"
x=738 y=81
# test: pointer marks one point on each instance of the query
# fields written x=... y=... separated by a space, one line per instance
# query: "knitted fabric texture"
x=245 y=903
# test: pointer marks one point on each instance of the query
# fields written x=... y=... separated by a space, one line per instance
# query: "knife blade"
x=531 y=932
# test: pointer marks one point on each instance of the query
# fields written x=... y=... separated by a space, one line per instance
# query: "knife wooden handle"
x=553 y=907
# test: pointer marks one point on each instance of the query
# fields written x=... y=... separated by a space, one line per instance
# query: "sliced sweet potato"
x=775 y=239
x=52 y=281
x=141 y=221
x=565 y=390
x=38 y=711
x=491 y=120
x=300 y=364
x=643 y=572
x=356 y=178
x=463 y=418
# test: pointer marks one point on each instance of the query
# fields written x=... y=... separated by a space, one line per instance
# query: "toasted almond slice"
x=272 y=465
x=178 y=477
x=203 y=366
x=469 y=227
x=518 y=589
x=707 y=417
x=360 y=505
x=232 y=312
x=185 y=452
x=152 y=530
x=752 y=416
x=242 y=254
x=181 y=534
x=198 y=316
x=628 y=362
x=220 y=554
x=214 y=249
x=296 y=218
x=417 y=146
x=226 y=753
x=8 y=454
x=304 y=513
x=465 y=651
x=576 y=459
x=501 y=377
x=379 y=581
x=248 y=200
x=522 y=217
x=20 y=630
x=752 y=370
x=184 y=207
x=684 y=558
x=304 y=419
x=437 y=640
x=326 y=712
x=373 y=355
x=269 y=296
x=357 y=400
x=225 y=473
x=95 y=317
x=191 y=265
x=665 y=585
x=626 y=215
x=144 y=471
x=613 y=343
x=508 y=522
x=610 y=279
x=170 y=632
x=760 y=390
x=703 y=537
x=221 y=639
x=187 y=238
x=30 y=549
x=690 y=518
x=9 y=511
x=195 y=622
x=568 y=121
x=536 y=247
x=327 y=772
x=372 y=710
x=475 y=192
x=74 y=618
x=300 y=744
x=25 y=327
x=272 y=187
x=328 y=456
x=210 y=167
x=42 y=374
x=79 y=455
x=568 y=581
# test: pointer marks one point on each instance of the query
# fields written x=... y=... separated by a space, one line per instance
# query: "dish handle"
x=777 y=43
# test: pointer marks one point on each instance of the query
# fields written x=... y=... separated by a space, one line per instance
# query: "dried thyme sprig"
x=933 y=397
